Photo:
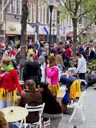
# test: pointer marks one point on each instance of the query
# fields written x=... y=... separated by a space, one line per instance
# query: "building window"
x=13 y=6
x=39 y=14
x=33 y=13
x=19 y=7
x=30 y=13
x=1 y=10
x=9 y=9
x=43 y=15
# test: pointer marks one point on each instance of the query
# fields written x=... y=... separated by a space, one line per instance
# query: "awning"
x=15 y=28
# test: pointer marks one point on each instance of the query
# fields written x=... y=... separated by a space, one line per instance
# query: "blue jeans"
x=60 y=67
x=16 y=125
x=4 y=104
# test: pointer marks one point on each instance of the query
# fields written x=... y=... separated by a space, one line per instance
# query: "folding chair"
x=38 y=109
x=46 y=123
x=78 y=106
x=83 y=84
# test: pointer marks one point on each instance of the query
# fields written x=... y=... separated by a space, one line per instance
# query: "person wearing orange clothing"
x=8 y=84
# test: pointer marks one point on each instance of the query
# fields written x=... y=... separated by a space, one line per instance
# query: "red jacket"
x=68 y=52
x=9 y=80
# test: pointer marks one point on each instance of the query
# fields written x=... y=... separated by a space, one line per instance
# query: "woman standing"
x=32 y=68
x=8 y=84
x=53 y=74
x=59 y=61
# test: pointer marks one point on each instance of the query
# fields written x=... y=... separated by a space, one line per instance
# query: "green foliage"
x=70 y=64
x=41 y=3
x=77 y=9
x=93 y=62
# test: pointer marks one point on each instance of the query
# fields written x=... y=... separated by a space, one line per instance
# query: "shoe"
x=67 y=112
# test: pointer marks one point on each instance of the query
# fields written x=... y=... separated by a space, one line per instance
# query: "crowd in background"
x=42 y=72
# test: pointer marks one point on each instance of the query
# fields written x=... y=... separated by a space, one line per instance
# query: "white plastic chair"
x=46 y=123
x=38 y=109
x=81 y=80
x=78 y=106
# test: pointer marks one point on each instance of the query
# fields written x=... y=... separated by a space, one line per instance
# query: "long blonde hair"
x=30 y=54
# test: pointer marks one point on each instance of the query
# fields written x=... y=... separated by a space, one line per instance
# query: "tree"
x=76 y=9
x=23 y=31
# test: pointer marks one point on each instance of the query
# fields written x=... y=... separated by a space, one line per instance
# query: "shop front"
x=42 y=34
x=13 y=31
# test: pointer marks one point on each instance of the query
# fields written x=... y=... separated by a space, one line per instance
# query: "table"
x=14 y=113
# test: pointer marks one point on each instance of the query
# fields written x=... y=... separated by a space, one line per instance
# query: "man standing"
x=81 y=66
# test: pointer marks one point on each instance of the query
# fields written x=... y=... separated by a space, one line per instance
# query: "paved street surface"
x=90 y=113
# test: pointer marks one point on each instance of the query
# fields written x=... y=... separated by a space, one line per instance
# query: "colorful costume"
x=53 y=75
x=73 y=90
x=8 y=84
x=72 y=84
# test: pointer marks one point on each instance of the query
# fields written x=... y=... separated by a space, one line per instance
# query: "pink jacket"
x=53 y=74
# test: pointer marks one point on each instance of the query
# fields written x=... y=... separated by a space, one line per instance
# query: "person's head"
x=67 y=46
x=41 y=59
x=52 y=60
x=30 y=85
x=3 y=122
x=78 y=55
x=6 y=61
x=42 y=86
x=30 y=54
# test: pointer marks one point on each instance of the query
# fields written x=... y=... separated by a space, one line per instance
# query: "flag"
x=46 y=30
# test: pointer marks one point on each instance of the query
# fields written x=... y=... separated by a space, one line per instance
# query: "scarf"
x=7 y=68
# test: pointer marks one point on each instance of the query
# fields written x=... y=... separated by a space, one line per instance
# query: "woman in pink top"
x=53 y=74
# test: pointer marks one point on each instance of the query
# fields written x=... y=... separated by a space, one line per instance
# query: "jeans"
x=4 y=104
x=17 y=124
x=60 y=67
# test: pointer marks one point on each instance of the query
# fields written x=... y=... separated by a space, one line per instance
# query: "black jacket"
x=51 y=104
x=32 y=71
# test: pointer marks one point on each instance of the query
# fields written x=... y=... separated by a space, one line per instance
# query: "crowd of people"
x=43 y=75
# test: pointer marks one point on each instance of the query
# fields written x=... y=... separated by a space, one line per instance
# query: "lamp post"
x=51 y=6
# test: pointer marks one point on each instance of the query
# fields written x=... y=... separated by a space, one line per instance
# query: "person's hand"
x=76 y=75
x=22 y=93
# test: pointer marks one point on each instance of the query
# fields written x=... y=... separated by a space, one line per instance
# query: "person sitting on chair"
x=52 y=108
x=32 y=98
